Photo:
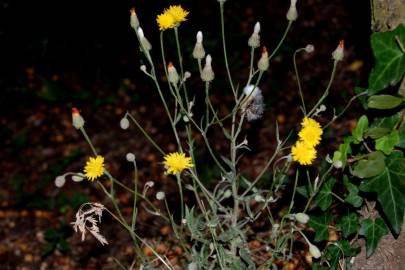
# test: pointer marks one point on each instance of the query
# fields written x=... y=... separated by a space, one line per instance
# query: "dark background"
x=55 y=55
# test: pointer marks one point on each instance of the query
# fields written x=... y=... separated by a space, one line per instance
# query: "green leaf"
x=321 y=226
x=384 y=102
x=373 y=230
x=361 y=126
x=377 y=132
x=371 y=166
x=401 y=132
x=389 y=187
x=386 y=122
x=348 y=224
x=344 y=150
x=324 y=198
x=353 y=198
x=316 y=266
x=337 y=250
x=387 y=143
x=389 y=59
x=304 y=191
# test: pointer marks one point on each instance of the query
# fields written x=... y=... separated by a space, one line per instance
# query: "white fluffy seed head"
x=248 y=90
x=60 y=181
x=160 y=195
x=199 y=37
x=130 y=157
x=256 y=30
x=124 y=123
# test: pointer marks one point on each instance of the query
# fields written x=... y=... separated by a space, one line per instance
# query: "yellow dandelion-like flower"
x=165 y=21
x=311 y=132
x=179 y=14
x=94 y=168
x=176 y=163
x=303 y=153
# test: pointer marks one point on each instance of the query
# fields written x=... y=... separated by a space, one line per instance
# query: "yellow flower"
x=165 y=21
x=179 y=14
x=94 y=168
x=311 y=132
x=176 y=163
x=303 y=153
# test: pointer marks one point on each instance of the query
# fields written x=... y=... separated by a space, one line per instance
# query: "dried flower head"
x=86 y=221
x=177 y=162
x=94 y=168
x=252 y=105
x=172 y=75
x=338 y=54
x=77 y=119
x=263 y=63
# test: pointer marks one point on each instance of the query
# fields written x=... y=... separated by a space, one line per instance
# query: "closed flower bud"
x=134 y=22
x=78 y=177
x=77 y=119
x=207 y=74
x=301 y=218
x=124 y=123
x=254 y=40
x=292 y=13
x=263 y=63
x=172 y=74
x=314 y=251
x=199 y=52
x=338 y=54
x=143 y=68
x=160 y=195
x=144 y=42
x=60 y=181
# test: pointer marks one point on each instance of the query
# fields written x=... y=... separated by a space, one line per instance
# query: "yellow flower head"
x=311 y=132
x=94 y=168
x=303 y=153
x=179 y=14
x=176 y=163
x=165 y=21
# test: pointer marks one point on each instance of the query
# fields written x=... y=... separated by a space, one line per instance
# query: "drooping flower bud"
x=292 y=13
x=60 y=181
x=78 y=177
x=77 y=119
x=142 y=39
x=134 y=22
x=172 y=75
x=301 y=218
x=254 y=40
x=160 y=195
x=199 y=52
x=263 y=63
x=314 y=251
x=130 y=157
x=207 y=74
x=124 y=123
x=338 y=54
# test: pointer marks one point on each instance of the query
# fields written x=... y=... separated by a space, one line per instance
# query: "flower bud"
x=78 y=177
x=134 y=22
x=301 y=218
x=263 y=63
x=142 y=39
x=338 y=54
x=124 y=123
x=207 y=74
x=130 y=157
x=309 y=48
x=160 y=195
x=254 y=40
x=199 y=52
x=143 y=68
x=337 y=164
x=292 y=13
x=314 y=251
x=77 y=119
x=172 y=74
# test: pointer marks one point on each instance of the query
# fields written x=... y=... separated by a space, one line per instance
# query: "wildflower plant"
x=215 y=232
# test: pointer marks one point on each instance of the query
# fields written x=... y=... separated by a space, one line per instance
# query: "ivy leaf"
x=353 y=198
x=401 y=142
x=304 y=191
x=371 y=166
x=389 y=187
x=361 y=126
x=388 y=142
x=324 y=198
x=384 y=102
x=337 y=250
x=321 y=226
x=348 y=224
x=386 y=122
x=344 y=150
x=376 y=132
x=389 y=58
x=373 y=230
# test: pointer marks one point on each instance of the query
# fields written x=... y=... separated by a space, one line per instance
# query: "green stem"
x=298 y=80
x=282 y=40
